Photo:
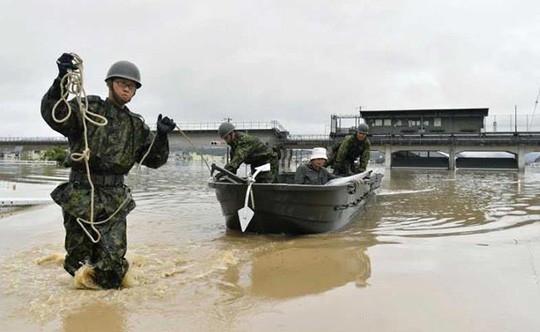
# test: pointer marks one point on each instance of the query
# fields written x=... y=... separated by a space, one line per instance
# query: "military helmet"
x=362 y=128
x=125 y=69
x=225 y=129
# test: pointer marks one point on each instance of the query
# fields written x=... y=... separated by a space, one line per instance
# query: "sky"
x=296 y=62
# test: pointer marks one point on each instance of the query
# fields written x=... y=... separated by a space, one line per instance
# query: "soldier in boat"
x=348 y=150
x=248 y=150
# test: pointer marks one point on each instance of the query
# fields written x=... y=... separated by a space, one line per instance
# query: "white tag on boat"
x=244 y=215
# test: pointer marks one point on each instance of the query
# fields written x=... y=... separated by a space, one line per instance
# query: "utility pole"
x=227 y=156
x=534 y=109
x=515 y=119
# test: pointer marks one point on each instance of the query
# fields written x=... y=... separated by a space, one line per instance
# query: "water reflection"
x=295 y=269
x=281 y=267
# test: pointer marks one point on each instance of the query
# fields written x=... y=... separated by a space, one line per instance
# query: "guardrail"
x=459 y=139
x=528 y=138
x=428 y=139
x=213 y=126
x=37 y=140
x=307 y=137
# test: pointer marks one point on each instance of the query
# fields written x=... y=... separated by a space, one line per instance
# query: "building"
x=415 y=121
x=425 y=121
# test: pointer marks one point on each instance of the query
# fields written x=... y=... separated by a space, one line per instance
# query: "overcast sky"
x=297 y=62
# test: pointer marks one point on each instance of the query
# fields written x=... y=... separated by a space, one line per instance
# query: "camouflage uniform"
x=346 y=153
x=114 y=149
x=250 y=150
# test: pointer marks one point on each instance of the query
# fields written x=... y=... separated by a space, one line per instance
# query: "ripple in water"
x=449 y=204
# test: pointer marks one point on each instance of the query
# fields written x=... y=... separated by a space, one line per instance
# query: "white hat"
x=318 y=153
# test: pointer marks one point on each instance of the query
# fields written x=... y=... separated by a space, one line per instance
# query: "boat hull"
x=295 y=209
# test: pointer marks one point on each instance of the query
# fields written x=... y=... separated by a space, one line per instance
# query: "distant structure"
x=415 y=121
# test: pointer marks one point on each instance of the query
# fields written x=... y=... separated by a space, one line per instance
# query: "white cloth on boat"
x=356 y=177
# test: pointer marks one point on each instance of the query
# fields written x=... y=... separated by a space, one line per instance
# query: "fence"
x=238 y=125
x=512 y=123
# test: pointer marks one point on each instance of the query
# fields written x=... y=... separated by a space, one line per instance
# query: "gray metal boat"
x=293 y=208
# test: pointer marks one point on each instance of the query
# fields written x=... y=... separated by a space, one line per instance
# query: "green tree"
x=57 y=153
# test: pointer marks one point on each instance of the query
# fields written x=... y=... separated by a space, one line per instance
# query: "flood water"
x=433 y=251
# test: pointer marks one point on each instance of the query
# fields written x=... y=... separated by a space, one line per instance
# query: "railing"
x=459 y=139
x=27 y=162
x=33 y=139
x=307 y=137
x=211 y=126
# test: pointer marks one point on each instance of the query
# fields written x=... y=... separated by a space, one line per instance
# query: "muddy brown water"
x=434 y=251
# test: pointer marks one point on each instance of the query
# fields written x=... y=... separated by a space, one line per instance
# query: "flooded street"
x=433 y=251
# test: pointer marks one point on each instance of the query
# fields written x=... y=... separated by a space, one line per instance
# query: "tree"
x=57 y=153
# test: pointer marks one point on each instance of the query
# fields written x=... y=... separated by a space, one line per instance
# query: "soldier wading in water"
x=95 y=210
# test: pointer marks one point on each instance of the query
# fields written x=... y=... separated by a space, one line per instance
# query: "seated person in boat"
x=248 y=150
x=314 y=172
x=345 y=153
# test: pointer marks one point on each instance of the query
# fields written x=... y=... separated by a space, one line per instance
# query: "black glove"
x=230 y=168
x=165 y=125
x=65 y=62
x=219 y=176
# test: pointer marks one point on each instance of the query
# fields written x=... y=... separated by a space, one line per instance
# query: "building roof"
x=433 y=111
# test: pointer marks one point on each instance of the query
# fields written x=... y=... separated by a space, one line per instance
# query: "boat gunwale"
x=282 y=186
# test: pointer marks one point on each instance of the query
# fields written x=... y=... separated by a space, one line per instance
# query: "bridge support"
x=521 y=158
x=452 y=159
x=286 y=157
x=388 y=156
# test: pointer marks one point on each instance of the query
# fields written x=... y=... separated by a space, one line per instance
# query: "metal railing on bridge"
x=34 y=140
x=213 y=126
x=485 y=139
x=499 y=138
x=308 y=137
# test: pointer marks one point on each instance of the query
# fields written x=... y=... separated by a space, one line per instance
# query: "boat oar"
x=245 y=214
x=231 y=175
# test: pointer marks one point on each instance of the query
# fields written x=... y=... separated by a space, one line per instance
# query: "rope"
x=72 y=83
x=195 y=147
x=135 y=182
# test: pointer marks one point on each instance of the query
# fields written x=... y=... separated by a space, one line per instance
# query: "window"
x=437 y=122
x=414 y=123
x=378 y=122
x=387 y=122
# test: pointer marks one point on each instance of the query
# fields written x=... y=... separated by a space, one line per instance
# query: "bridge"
x=440 y=151
x=435 y=151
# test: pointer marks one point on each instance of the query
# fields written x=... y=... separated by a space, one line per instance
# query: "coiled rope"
x=72 y=83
